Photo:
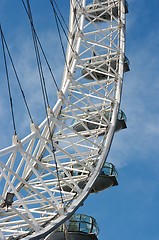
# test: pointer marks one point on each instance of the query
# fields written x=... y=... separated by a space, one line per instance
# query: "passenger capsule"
x=121 y=121
x=101 y=67
x=126 y=64
x=98 y=123
x=102 y=10
x=79 y=227
x=107 y=178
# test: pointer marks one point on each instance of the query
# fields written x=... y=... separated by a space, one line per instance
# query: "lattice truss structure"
x=52 y=170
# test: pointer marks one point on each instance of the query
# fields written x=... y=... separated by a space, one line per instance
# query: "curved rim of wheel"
x=51 y=171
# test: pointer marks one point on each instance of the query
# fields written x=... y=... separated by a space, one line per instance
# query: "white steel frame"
x=43 y=201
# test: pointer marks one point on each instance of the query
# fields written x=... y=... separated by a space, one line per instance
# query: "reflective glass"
x=121 y=115
x=83 y=223
x=85 y=218
x=109 y=169
x=74 y=227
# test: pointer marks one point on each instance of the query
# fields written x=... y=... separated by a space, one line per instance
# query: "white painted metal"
x=42 y=200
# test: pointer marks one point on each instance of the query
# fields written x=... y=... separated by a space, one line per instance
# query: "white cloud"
x=140 y=102
x=25 y=63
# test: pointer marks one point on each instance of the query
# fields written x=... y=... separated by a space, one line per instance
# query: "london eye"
x=47 y=175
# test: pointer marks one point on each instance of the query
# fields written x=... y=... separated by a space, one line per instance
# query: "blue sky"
x=129 y=211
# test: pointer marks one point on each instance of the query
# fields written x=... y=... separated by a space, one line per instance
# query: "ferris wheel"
x=46 y=176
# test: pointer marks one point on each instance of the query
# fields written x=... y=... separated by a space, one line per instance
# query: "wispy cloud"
x=139 y=101
x=25 y=62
